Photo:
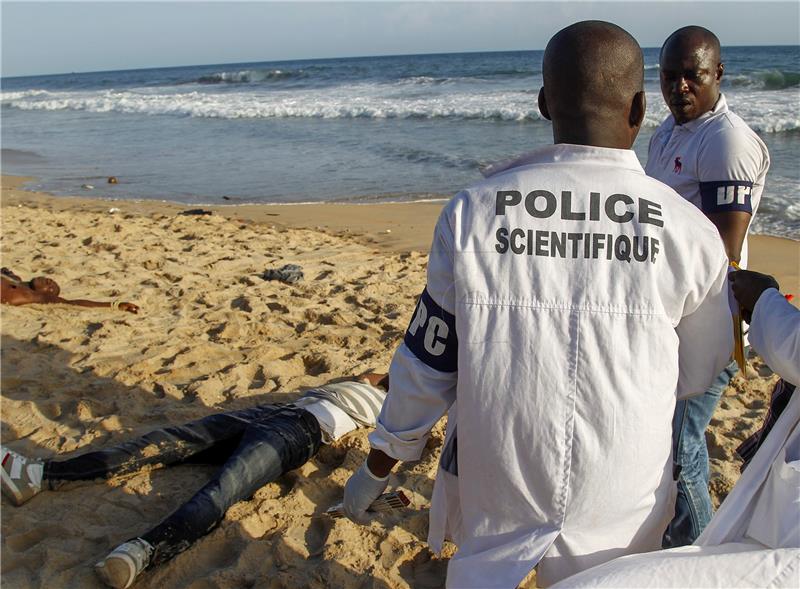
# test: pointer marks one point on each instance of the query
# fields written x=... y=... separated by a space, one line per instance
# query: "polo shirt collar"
x=720 y=107
x=568 y=153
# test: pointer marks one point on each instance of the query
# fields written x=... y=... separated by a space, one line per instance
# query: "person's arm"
x=732 y=227
x=423 y=377
x=13 y=293
x=730 y=165
x=7 y=272
x=376 y=379
x=774 y=322
x=121 y=305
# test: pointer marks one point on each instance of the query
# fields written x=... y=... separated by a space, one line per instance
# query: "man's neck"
x=593 y=140
x=600 y=132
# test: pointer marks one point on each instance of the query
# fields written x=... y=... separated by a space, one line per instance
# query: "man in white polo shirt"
x=569 y=298
x=715 y=161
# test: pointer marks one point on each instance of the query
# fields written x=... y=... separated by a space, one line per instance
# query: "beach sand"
x=213 y=335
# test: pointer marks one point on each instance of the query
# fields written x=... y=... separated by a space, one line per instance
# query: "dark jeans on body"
x=254 y=446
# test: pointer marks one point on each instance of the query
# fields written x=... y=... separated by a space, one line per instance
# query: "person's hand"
x=129 y=307
x=361 y=490
x=376 y=379
x=747 y=287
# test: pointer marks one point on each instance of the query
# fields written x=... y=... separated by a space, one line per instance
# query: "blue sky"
x=57 y=37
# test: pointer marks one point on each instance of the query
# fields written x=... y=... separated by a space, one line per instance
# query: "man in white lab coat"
x=569 y=298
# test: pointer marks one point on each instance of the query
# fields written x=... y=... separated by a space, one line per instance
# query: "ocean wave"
x=350 y=103
x=762 y=123
x=774 y=112
x=652 y=66
x=426 y=81
x=477 y=76
x=250 y=76
x=765 y=80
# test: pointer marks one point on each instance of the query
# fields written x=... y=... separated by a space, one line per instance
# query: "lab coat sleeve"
x=705 y=334
x=775 y=334
x=422 y=376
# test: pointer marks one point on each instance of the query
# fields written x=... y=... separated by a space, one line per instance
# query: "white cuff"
x=391 y=445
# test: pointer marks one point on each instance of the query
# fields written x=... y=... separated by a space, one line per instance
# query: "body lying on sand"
x=43 y=290
x=253 y=447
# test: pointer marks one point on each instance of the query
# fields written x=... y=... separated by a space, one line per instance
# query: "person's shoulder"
x=728 y=143
x=729 y=130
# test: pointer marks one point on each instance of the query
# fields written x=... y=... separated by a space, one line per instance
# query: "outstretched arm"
x=121 y=305
x=16 y=293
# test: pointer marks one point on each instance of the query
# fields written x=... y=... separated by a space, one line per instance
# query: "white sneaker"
x=121 y=567
x=20 y=477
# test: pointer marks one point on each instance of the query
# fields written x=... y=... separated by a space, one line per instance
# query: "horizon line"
x=166 y=67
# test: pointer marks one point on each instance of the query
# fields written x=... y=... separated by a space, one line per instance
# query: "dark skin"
x=747 y=287
x=691 y=72
x=43 y=290
x=376 y=379
x=593 y=86
x=593 y=93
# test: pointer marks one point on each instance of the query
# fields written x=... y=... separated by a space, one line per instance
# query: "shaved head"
x=690 y=39
x=592 y=72
x=691 y=71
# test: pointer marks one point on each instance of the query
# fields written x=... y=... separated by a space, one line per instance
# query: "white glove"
x=361 y=490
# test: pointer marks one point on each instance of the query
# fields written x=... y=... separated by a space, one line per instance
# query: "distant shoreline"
x=339 y=57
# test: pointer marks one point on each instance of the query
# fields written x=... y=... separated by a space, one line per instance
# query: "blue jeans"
x=254 y=446
x=693 y=509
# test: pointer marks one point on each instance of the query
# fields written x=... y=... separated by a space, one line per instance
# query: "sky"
x=60 y=37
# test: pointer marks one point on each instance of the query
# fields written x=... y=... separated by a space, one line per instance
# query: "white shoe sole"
x=117 y=570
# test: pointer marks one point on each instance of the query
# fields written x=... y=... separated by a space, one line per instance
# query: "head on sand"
x=691 y=72
x=45 y=285
x=593 y=85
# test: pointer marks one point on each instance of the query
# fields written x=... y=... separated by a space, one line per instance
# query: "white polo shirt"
x=570 y=298
x=716 y=162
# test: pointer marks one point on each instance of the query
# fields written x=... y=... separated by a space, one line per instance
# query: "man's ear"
x=638 y=108
x=543 y=105
x=720 y=71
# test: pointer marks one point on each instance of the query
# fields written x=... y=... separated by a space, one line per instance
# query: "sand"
x=213 y=335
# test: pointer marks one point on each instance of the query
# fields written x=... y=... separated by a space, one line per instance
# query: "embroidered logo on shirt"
x=678 y=165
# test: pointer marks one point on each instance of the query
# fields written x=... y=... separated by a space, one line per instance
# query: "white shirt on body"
x=570 y=298
x=342 y=407
x=716 y=162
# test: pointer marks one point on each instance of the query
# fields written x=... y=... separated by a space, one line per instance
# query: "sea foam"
x=772 y=112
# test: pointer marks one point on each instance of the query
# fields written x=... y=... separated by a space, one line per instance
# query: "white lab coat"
x=775 y=334
x=565 y=363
